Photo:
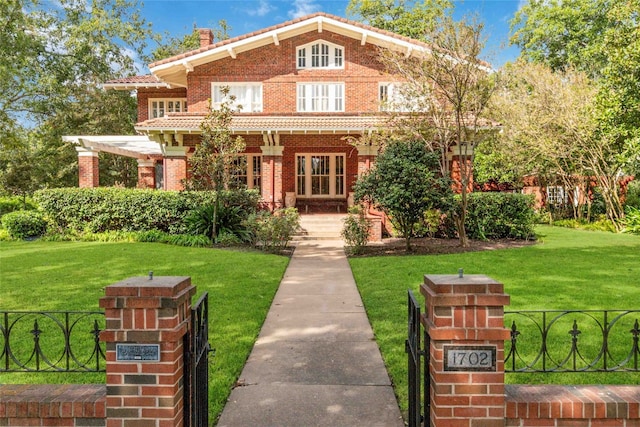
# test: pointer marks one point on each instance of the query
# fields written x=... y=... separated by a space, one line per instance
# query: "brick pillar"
x=146 y=173
x=464 y=318
x=272 y=176
x=456 y=175
x=88 y=168
x=175 y=168
x=366 y=157
x=141 y=314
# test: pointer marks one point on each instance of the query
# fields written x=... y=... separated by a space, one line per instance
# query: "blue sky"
x=177 y=17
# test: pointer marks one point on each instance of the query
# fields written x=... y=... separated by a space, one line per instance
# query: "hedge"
x=120 y=209
x=24 y=224
x=500 y=216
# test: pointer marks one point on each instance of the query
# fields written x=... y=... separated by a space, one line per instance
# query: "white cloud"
x=263 y=8
x=302 y=8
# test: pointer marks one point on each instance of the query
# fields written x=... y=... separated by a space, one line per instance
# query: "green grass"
x=567 y=269
x=72 y=276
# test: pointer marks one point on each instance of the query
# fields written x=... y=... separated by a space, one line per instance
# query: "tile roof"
x=283 y=25
x=191 y=122
x=147 y=80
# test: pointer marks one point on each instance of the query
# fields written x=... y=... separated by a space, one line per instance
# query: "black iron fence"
x=573 y=341
x=55 y=341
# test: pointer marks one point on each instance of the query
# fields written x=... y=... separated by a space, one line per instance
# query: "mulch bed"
x=430 y=246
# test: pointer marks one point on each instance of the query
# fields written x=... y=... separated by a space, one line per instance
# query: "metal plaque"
x=137 y=352
x=469 y=357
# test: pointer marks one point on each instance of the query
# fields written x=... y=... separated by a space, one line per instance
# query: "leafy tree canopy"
x=415 y=19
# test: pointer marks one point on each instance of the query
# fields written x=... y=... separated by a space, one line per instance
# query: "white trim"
x=165 y=109
x=311 y=97
x=250 y=88
x=306 y=179
x=309 y=56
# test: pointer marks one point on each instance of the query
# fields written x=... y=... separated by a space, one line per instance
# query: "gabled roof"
x=174 y=70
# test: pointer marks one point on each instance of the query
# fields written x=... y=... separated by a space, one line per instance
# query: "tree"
x=169 y=45
x=215 y=160
x=449 y=88
x=54 y=56
x=404 y=182
x=601 y=39
x=413 y=19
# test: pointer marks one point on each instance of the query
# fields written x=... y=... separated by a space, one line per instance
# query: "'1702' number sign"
x=469 y=358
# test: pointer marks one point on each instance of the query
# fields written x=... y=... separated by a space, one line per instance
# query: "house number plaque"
x=137 y=352
x=469 y=358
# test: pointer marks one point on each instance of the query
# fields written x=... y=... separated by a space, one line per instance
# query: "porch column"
x=88 y=167
x=146 y=173
x=465 y=321
x=175 y=167
x=366 y=157
x=272 y=175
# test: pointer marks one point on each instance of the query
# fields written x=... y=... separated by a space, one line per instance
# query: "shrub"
x=24 y=224
x=230 y=221
x=273 y=231
x=121 y=209
x=633 y=194
x=631 y=220
x=355 y=231
x=499 y=216
x=14 y=203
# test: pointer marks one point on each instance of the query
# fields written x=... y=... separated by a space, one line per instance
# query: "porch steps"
x=320 y=227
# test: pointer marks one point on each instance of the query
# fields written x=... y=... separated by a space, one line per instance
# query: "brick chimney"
x=206 y=37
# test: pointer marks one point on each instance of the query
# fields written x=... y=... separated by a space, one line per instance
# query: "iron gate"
x=196 y=367
x=416 y=374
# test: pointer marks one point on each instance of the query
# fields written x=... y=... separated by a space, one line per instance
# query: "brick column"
x=146 y=173
x=465 y=321
x=141 y=313
x=366 y=157
x=272 y=175
x=88 y=168
x=175 y=167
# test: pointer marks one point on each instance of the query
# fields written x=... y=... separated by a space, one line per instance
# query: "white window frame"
x=319 y=54
x=253 y=91
x=320 y=97
x=253 y=174
x=390 y=98
x=556 y=195
x=159 y=107
x=337 y=181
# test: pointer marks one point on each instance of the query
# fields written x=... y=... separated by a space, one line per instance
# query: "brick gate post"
x=465 y=321
x=146 y=321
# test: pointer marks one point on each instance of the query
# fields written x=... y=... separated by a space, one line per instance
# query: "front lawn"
x=71 y=276
x=567 y=269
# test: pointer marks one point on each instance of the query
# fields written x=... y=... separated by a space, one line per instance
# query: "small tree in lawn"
x=214 y=161
x=405 y=182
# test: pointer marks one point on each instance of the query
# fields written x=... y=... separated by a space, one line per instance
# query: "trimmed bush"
x=632 y=220
x=500 y=216
x=24 y=224
x=98 y=210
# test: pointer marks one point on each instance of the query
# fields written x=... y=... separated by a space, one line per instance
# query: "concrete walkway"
x=315 y=362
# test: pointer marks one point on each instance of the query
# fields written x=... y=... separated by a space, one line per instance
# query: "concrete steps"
x=320 y=227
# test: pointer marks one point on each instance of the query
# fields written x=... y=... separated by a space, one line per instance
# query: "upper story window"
x=248 y=96
x=320 y=54
x=320 y=97
x=159 y=107
x=394 y=97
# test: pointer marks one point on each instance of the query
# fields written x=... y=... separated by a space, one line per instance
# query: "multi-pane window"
x=320 y=54
x=320 y=97
x=394 y=97
x=247 y=96
x=248 y=171
x=556 y=195
x=160 y=107
x=320 y=175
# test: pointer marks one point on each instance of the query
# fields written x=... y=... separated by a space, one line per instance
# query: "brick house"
x=303 y=85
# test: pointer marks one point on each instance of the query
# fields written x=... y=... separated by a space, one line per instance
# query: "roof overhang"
x=135 y=86
x=138 y=147
x=175 y=72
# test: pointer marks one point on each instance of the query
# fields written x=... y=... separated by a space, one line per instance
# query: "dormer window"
x=320 y=54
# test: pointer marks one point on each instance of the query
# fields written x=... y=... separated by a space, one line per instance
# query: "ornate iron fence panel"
x=54 y=341
x=196 y=369
x=573 y=341
x=414 y=352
